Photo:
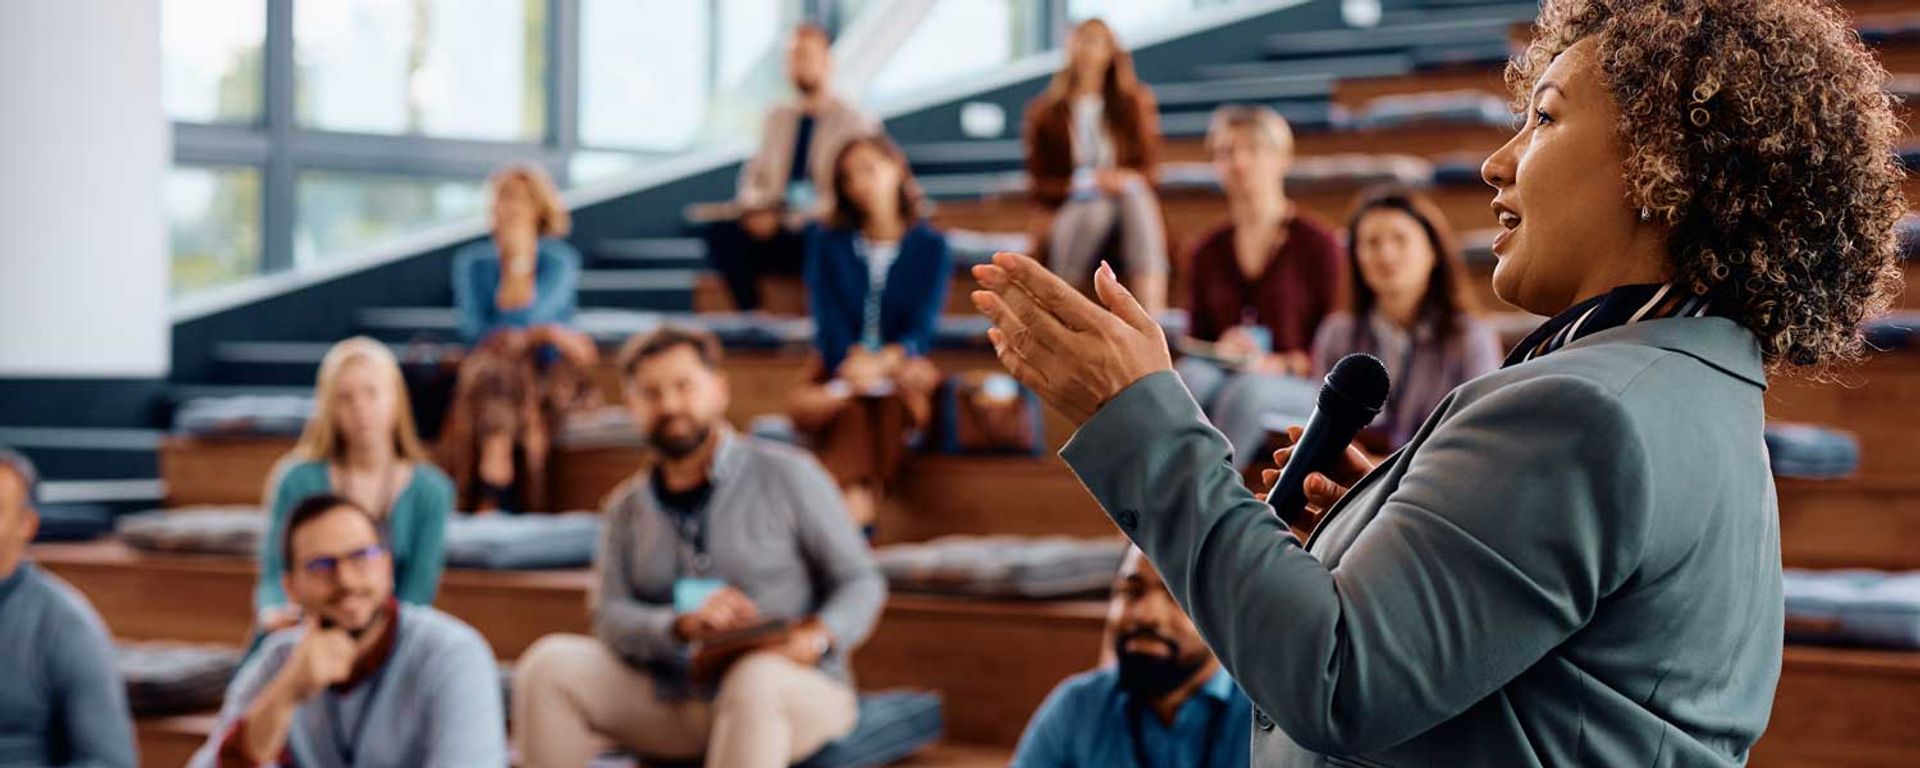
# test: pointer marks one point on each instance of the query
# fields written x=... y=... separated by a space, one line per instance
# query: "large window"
x=310 y=131
x=995 y=31
x=213 y=226
x=213 y=67
x=343 y=212
x=470 y=69
x=1132 y=18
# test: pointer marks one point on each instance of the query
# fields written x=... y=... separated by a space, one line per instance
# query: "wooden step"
x=965 y=649
x=993 y=661
x=1844 y=707
x=1849 y=524
x=1878 y=401
x=169 y=742
x=209 y=599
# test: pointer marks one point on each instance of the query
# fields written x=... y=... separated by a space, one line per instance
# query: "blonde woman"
x=361 y=445
x=524 y=276
x=515 y=293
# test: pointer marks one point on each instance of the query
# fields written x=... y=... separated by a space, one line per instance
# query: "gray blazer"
x=1574 y=562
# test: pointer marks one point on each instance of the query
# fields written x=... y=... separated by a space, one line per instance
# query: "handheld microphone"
x=1354 y=392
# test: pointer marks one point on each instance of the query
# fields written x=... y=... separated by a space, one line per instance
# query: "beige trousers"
x=572 y=696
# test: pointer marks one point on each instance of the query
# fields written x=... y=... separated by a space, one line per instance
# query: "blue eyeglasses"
x=325 y=566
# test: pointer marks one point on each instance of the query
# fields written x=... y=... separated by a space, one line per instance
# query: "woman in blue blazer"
x=877 y=278
x=1575 y=560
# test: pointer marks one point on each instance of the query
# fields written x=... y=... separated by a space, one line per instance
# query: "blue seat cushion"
x=1853 y=607
x=893 y=726
x=74 y=522
x=523 y=542
x=1815 y=453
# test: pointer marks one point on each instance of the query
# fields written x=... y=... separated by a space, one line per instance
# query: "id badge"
x=690 y=593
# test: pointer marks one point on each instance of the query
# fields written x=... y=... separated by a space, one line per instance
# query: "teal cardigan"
x=416 y=530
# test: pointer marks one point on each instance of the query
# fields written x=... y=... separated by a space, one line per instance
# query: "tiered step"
x=958 y=647
x=1843 y=707
x=168 y=742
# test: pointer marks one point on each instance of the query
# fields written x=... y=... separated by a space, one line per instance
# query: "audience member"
x=360 y=445
x=363 y=679
x=1166 y=702
x=1261 y=284
x=1408 y=305
x=877 y=278
x=787 y=182
x=1093 y=145
x=725 y=548
x=61 y=701
x=526 y=368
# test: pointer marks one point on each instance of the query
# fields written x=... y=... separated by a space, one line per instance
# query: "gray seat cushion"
x=1853 y=607
x=1004 y=566
x=523 y=542
x=210 y=530
x=172 y=678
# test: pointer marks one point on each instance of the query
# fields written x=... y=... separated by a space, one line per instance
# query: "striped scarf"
x=1620 y=306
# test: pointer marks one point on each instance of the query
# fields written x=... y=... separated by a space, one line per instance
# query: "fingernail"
x=1003 y=259
x=979 y=300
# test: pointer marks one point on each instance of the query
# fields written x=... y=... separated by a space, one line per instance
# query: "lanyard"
x=1135 y=727
x=691 y=529
x=347 y=744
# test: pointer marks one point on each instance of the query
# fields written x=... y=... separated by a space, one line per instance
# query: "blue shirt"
x=61 y=700
x=476 y=277
x=1085 y=723
x=911 y=299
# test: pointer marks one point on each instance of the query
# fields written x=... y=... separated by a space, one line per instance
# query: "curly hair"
x=1761 y=131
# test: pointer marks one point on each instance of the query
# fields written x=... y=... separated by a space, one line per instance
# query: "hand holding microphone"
x=1325 y=486
x=1320 y=462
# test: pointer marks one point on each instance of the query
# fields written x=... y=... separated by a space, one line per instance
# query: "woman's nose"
x=1499 y=168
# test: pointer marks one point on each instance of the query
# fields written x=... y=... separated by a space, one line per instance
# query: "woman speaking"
x=1576 y=559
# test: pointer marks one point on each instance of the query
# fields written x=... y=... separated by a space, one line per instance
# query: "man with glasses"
x=362 y=680
x=61 y=702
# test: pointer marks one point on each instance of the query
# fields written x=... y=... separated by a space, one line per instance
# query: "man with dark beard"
x=789 y=179
x=1166 y=704
x=364 y=680
x=725 y=541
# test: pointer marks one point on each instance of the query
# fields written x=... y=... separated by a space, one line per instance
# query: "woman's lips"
x=1500 y=240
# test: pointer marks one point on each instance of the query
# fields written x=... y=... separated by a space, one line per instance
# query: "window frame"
x=281 y=149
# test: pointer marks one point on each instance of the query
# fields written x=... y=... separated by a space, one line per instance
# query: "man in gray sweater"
x=363 y=680
x=722 y=533
x=61 y=702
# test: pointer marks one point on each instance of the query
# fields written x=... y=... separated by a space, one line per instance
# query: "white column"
x=84 y=148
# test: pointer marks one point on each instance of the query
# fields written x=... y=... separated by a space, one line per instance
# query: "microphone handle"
x=1322 y=442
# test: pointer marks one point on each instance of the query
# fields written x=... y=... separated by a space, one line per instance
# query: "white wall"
x=84 y=148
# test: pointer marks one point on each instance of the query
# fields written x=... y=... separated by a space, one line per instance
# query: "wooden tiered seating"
x=996 y=660
x=168 y=742
x=1843 y=707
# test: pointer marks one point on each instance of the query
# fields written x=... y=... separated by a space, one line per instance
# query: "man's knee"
x=555 y=659
x=756 y=681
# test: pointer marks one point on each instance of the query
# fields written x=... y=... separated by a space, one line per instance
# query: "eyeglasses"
x=326 y=566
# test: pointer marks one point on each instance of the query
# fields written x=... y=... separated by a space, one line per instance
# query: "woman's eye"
x=1540 y=117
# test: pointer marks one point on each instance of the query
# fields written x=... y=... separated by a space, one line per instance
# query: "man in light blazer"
x=788 y=179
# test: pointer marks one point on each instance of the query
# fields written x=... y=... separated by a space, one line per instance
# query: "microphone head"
x=1359 y=379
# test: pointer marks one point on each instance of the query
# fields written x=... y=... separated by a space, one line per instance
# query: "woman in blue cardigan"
x=877 y=278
